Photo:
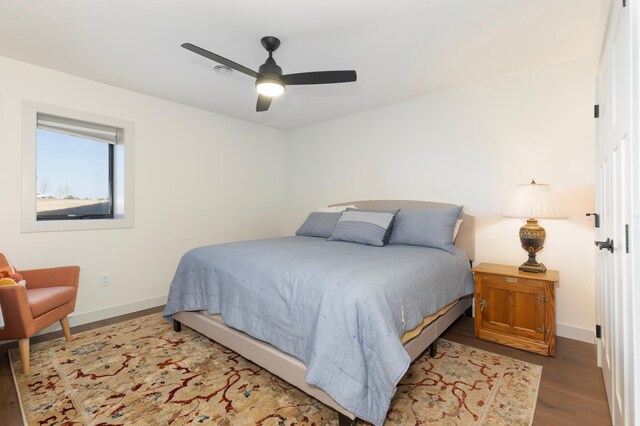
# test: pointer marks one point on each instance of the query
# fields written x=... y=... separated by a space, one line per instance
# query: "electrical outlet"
x=105 y=280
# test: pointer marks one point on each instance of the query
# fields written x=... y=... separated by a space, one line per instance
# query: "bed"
x=353 y=295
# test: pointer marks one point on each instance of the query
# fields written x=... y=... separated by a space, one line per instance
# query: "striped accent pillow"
x=372 y=228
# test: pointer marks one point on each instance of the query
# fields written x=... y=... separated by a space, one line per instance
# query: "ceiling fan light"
x=270 y=87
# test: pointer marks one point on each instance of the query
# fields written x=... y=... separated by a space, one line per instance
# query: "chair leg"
x=24 y=354
x=64 y=323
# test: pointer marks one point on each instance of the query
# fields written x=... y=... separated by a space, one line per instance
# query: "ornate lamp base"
x=538 y=268
x=532 y=238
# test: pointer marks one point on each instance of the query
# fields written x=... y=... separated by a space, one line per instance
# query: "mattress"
x=410 y=334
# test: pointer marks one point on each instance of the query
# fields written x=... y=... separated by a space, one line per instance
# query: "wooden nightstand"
x=516 y=308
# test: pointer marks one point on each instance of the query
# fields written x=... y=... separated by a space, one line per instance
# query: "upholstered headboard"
x=466 y=239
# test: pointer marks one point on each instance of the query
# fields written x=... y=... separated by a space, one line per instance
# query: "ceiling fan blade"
x=320 y=77
x=263 y=103
x=219 y=59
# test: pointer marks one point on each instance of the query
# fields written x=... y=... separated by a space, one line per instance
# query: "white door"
x=614 y=201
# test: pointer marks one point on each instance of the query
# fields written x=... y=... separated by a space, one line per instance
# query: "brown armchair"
x=49 y=296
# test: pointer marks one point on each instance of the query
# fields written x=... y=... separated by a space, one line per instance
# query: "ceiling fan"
x=270 y=81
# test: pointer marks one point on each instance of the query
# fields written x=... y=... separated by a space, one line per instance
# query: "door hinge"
x=543 y=299
x=598 y=331
x=624 y=3
x=596 y=111
x=626 y=238
x=543 y=330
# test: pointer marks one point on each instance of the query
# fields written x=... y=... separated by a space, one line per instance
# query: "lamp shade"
x=534 y=200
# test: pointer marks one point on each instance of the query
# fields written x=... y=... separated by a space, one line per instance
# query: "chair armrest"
x=52 y=277
x=18 y=320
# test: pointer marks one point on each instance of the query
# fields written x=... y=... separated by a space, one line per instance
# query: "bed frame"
x=291 y=369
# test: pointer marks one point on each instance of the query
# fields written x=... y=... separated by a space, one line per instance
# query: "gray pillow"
x=319 y=224
x=372 y=228
x=426 y=227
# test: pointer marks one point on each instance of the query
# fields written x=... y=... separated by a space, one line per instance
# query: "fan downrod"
x=270 y=43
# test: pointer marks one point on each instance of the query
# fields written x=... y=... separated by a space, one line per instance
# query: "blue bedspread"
x=338 y=307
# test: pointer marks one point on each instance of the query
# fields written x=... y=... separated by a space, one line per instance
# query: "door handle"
x=607 y=245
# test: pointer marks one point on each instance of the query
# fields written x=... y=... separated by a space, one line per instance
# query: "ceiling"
x=400 y=49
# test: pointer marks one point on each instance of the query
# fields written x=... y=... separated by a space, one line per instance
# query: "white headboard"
x=466 y=239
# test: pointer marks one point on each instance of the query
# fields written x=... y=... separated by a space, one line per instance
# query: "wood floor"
x=571 y=391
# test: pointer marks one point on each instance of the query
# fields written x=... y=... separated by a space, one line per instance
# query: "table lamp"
x=534 y=201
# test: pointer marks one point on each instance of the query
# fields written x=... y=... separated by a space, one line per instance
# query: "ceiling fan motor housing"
x=270 y=72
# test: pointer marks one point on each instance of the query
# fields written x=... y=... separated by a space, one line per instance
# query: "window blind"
x=81 y=129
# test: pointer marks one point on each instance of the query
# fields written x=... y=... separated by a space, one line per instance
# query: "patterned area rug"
x=142 y=373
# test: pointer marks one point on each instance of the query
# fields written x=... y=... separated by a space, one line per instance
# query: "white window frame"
x=123 y=185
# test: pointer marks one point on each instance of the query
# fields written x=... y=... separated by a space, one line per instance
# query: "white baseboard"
x=80 y=318
x=575 y=333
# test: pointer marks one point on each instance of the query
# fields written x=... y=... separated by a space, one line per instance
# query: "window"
x=74 y=169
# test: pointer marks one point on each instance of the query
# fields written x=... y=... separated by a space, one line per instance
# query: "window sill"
x=75 y=225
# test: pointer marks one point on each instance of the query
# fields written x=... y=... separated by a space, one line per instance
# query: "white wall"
x=200 y=178
x=472 y=145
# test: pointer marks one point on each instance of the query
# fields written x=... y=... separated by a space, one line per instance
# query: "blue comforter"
x=338 y=307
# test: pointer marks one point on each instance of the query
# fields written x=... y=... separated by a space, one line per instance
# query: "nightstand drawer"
x=511 y=281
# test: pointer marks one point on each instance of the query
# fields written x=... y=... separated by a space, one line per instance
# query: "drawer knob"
x=512 y=280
